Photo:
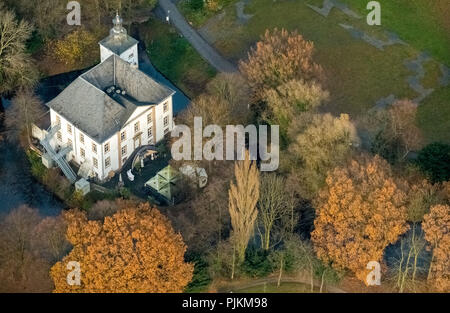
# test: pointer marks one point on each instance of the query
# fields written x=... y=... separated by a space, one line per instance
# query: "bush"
x=434 y=160
x=196 y=4
x=256 y=263
x=201 y=278
x=37 y=168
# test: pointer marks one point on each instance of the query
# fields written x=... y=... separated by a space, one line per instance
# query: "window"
x=82 y=138
x=58 y=120
x=166 y=107
x=82 y=153
x=107 y=147
x=59 y=136
x=69 y=129
x=94 y=148
x=166 y=130
x=123 y=135
x=149 y=118
x=149 y=132
x=124 y=150
x=107 y=162
x=94 y=160
x=69 y=143
x=124 y=160
x=136 y=127
x=166 y=121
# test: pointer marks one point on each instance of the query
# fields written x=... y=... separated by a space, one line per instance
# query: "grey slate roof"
x=118 y=44
x=86 y=104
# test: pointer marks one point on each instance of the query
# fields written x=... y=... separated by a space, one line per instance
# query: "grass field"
x=173 y=56
x=357 y=74
x=425 y=24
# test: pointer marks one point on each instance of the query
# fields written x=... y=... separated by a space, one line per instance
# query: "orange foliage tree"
x=134 y=250
x=360 y=211
x=436 y=226
x=280 y=56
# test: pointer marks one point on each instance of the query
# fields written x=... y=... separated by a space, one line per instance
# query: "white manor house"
x=107 y=113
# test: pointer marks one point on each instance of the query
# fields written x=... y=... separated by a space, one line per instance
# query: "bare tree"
x=272 y=206
x=21 y=270
x=16 y=67
x=26 y=108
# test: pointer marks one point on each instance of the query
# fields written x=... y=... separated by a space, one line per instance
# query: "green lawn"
x=357 y=74
x=198 y=17
x=173 y=56
x=434 y=116
x=425 y=24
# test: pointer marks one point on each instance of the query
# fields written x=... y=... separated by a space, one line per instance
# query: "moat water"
x=17 y=185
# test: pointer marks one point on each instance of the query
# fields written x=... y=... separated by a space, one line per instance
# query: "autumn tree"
x=29 y=245
x=394 y=130
x=234 y=89
x=224 y=102
x=134 y=250
x=26 y=109
x=16 y=66
x=320 y=142
x=359 y=212
x=436 y=226
x=291 y=98
x=243 y=196
x=75 y=48
x=279 y=56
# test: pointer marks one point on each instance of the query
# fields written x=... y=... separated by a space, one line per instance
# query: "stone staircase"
x=60 y=156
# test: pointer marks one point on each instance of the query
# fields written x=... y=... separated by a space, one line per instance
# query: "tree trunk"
x=321 y=282
x=405 y=273
x=281 y=272
x=233 y=262
x=431 y=266
x=400 y=266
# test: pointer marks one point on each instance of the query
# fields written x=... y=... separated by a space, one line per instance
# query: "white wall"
x=130 y=55
x=75 y=154
x=114 y=153
x=104 y=53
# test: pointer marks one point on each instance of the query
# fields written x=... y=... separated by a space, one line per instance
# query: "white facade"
x=146 y=126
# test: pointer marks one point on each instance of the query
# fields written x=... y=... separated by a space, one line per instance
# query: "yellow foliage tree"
x=360 y=211
x=280 y=56
x=134 y=250
x=243 y=197
x=436 y=226
x=75 y=48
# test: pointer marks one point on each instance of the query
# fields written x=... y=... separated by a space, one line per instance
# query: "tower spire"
x=118 y=31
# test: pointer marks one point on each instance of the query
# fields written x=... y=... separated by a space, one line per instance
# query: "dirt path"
x=202 y=47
